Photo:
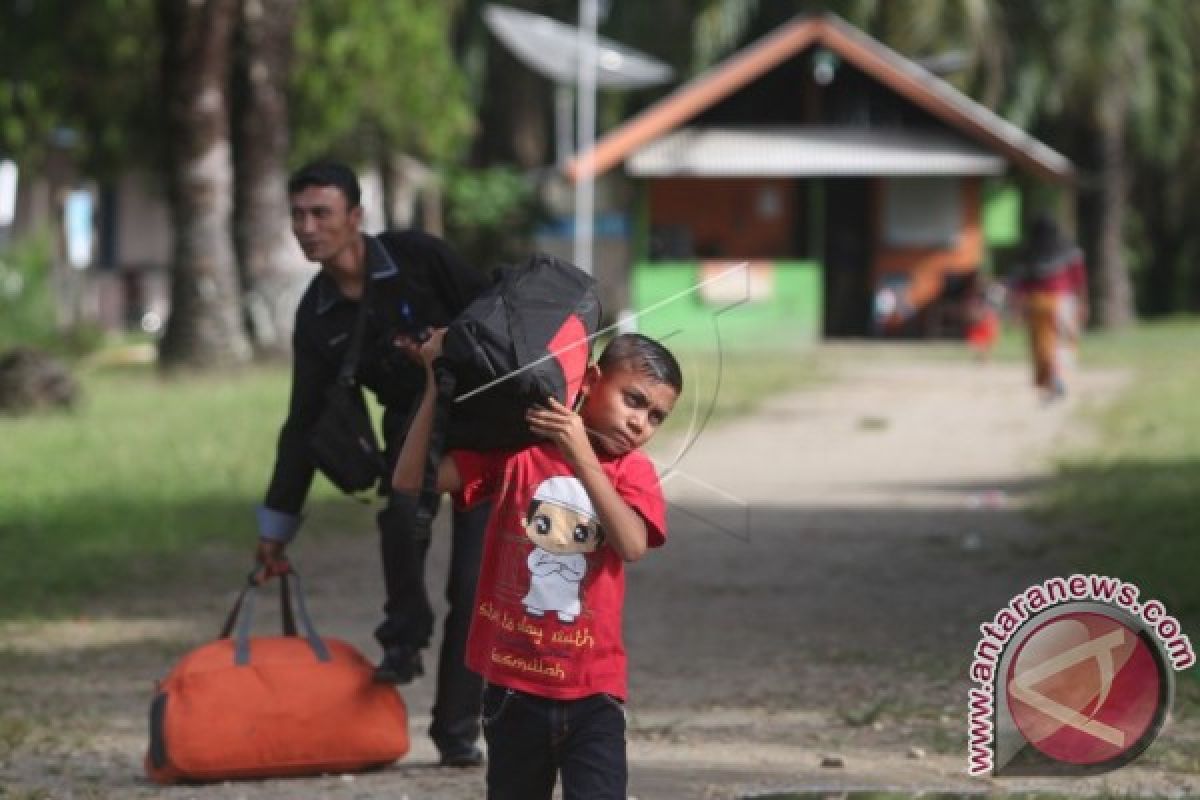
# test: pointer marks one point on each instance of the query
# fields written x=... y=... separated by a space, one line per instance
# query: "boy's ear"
x=590 y=378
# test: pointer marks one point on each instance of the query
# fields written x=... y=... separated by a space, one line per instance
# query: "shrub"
x=28 y=314
x=26 y=300
x=490 y=214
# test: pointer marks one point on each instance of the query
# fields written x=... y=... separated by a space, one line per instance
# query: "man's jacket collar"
x=379 y=266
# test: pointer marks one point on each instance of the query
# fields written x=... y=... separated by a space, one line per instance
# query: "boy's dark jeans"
x=409 y=617
x=532 y=739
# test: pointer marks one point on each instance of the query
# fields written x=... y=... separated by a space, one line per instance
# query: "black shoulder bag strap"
x=350 y=360
x=347 y=375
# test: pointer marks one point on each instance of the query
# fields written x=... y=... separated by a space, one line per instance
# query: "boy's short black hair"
x=321 y=174
x=645 y=355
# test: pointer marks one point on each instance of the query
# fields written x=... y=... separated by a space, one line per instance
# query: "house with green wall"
x=815 y=184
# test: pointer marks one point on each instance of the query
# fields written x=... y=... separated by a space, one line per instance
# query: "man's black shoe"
x=468 y=756
x=400 y=665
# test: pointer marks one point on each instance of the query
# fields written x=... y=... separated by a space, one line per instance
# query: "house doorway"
x=848 y=236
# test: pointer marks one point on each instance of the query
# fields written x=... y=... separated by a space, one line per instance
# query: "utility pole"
x=586 y=127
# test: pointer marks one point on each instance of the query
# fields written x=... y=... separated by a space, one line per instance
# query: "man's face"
x=323 y=222
x=624 y=408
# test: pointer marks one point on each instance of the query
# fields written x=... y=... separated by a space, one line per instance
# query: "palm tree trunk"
x=204 y=329
x=1158 y=197
x=514 y=117
x=1114 y=290
x=272 y=268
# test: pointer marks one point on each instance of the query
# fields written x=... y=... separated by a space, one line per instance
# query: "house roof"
x=872 y=57
x=811 y=151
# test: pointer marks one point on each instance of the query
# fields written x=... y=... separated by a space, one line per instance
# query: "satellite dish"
x=551 y=48
x=946 y=63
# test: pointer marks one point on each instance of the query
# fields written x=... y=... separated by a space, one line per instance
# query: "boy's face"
x=624 y=408
x=323 y=222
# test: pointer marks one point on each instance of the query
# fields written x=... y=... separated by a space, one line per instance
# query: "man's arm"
x=410 y=464
x=624 y=528
x=279 y=516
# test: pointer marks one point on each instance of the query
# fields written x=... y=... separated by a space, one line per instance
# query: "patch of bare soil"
x=808 y=626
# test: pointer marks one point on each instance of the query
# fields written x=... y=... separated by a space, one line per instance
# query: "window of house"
x=922 y=212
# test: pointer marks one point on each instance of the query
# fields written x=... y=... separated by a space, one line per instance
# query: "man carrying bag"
x=369 y=291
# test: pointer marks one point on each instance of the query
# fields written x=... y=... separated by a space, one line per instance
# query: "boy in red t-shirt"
x=546 y=630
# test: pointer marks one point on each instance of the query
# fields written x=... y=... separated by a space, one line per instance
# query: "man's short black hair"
x=645 y=355
x=321 y=174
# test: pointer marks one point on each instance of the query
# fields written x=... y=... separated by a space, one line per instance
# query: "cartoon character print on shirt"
x=563 y=526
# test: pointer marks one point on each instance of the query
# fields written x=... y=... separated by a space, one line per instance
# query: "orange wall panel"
x=729 y=217
x=928 y=265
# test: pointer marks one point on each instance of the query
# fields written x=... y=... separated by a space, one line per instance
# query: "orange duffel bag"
x=266 y=707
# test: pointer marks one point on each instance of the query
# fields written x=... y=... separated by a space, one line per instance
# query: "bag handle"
x=285 y=607
x=243 y=614
x=350 y=361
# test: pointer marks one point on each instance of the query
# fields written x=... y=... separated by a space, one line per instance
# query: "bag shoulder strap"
x=350 y=361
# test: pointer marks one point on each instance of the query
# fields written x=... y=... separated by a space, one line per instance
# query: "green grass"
x=1134 y=495
x=1134 y=498
x=145 y=472
x=149 y=470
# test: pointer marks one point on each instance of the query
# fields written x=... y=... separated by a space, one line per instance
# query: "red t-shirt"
x=547 y=613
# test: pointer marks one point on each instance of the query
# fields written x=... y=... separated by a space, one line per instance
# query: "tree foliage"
x=1114 y=86
x=79 y=75
x=489 y=214
x=373 y=79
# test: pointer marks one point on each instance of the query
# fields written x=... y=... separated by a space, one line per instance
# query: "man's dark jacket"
x=424 y=284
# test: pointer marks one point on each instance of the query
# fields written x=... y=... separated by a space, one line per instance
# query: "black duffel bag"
x=526 y=338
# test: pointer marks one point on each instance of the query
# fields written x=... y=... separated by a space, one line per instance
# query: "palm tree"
x=272 y=269
x=1092 y=54
x=1113 y=80
x=1166 y=184
x=1109 y=83
x=205 y=327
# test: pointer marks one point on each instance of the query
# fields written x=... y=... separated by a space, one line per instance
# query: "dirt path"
x=829 y=563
